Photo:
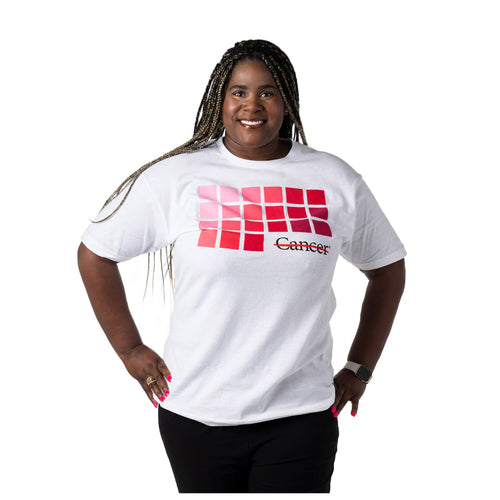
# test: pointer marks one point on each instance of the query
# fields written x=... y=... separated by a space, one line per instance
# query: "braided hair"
x=208 y=125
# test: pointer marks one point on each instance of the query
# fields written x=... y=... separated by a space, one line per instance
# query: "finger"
x=157 y=390
x=354 y=407
x=149 y=394
x=165 y=375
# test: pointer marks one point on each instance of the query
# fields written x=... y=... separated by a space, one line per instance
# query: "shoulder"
x=328 y=163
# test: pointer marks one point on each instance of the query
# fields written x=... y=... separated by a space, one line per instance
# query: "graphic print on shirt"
x=237 y=218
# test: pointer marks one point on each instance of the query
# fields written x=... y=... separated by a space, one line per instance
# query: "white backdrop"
x=404 y=91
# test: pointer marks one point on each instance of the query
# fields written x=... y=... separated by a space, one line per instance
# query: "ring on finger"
x=150 y=380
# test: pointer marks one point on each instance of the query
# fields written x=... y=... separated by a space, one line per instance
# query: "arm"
x=383 y=293
x=104 y=287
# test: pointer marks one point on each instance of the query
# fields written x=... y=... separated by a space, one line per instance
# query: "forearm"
x=104 y=286
x=383 y=293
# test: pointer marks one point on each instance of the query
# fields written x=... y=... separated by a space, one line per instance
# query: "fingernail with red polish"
x=167 y=393
x=336 y=414
x=333 y=409
x=162 y=399
x=155 y=404
x=169 y=378
x=353 y=413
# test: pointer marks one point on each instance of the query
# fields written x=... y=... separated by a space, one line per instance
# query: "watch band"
x=361 y=371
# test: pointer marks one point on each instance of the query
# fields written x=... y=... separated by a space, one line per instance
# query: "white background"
x=404 y=91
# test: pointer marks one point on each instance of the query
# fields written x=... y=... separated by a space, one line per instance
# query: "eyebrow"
x=244 y=87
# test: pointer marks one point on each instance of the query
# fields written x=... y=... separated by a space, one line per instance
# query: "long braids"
x=208 y=124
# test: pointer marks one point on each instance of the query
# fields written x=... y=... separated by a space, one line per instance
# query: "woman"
x=248 y=402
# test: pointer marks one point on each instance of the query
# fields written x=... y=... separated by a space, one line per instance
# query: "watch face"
x=364 y=373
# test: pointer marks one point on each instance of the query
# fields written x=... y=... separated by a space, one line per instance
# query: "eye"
x=238 y=93
x=267 y=94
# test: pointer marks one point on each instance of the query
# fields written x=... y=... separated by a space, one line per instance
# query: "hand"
x=348 y=387
x=142 y=362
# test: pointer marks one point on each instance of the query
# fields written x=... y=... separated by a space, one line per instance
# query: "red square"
x=322 y=228
x=316 y=197
x=230 y=211
x=254 y=242
x=278 y=226
x=207 y=192
x=294 y=195
x=230 y=239
x=229 y=194
x=209 y=224
x=231 y=225
x=252 y=212
x=320 y=212
x=275 y=212
x=296 y=212
x=208 y=237
x=301 y=226
x=251 y=225
x=273 y=194
x=251 y=194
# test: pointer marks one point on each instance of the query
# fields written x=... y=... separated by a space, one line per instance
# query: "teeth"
x=252 y=122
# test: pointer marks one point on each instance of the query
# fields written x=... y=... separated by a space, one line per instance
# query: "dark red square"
x=322 y=228
x=319 y=212
x=294 y=195
x=252 y=212
x=275 y=212
x=296 y=212
x=208 y=237
x=230 y=239
x=273 y=194
x=254 y=242
x=251 y=225
x=316 y=197
x=301 y=226
x=278 y=226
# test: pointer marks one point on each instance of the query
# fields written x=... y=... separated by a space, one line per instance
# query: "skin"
x=251 y=94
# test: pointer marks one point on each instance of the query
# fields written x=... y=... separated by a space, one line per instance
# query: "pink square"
x=294 y=195
x=273 y=194
x=230 y=239
x=209 y=211
x=275 y=212
x=316 y=197
x=208 y=192
x=230 y=211
x=229 y=194
x=252 y=212
x=251 y=225
x=277 y=226
x=209 y=224
x=231 y=225
x=319 y=212
x=254 y=242
x=301 y=226
x=296 y=212
x=322 y=228
x=208 y=237
x=251 y=194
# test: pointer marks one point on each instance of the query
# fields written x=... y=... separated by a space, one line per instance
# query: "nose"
x=252 y=103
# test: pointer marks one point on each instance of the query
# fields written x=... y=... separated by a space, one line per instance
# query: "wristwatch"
x=361 y=371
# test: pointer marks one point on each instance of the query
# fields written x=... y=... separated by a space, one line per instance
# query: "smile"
x=252 y=123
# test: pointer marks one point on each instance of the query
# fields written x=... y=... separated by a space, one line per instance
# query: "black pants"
x=286 y=455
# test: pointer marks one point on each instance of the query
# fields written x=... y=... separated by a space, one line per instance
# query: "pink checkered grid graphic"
x=237 y=218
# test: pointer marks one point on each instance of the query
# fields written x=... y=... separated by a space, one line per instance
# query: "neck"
x=272 y=151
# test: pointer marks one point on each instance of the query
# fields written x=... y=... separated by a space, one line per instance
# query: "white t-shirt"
x=256 y=244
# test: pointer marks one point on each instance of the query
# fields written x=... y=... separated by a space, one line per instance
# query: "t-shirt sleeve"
x=373 y=242
x=137 y=227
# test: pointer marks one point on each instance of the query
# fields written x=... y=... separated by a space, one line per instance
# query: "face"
x=253 y=112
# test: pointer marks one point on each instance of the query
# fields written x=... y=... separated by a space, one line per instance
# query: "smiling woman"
x=253 y=218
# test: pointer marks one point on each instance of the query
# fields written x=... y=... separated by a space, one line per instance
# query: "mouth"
x=252 y=123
